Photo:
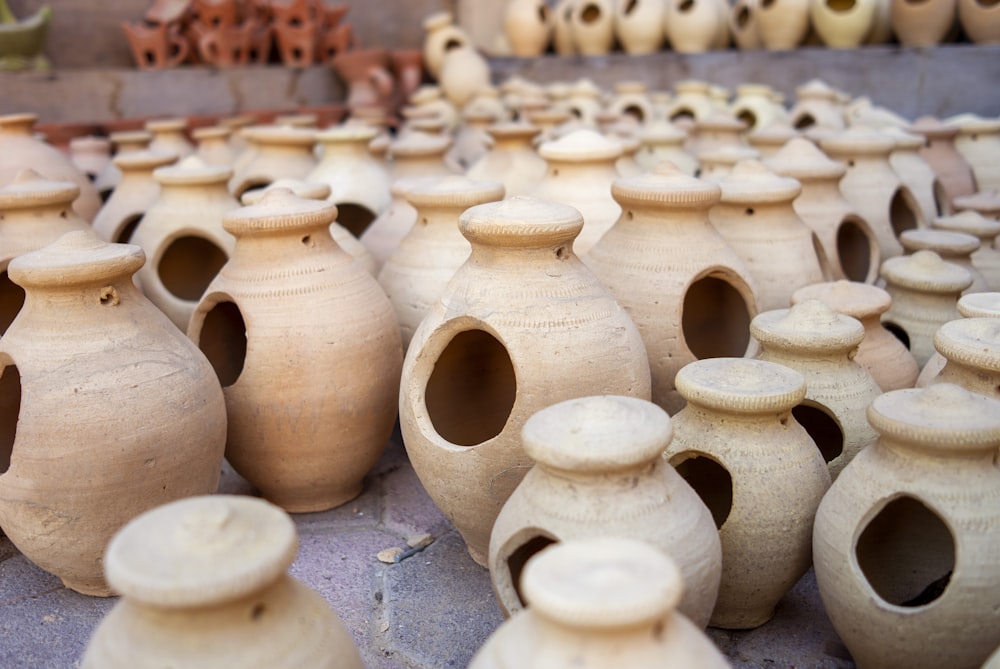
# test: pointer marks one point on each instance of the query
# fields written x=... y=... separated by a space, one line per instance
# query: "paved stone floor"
x=431 y=610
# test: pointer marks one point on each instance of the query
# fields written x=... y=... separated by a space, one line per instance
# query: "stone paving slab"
x=432 y=610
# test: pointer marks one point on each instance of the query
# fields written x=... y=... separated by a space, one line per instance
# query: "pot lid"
x=751 y=182
x=310 y=190
x=979 y=305
x=76 y=258
x=801 y=159
x=144 y=160
x=192 y=171
x=925 y=271
x=30 y=189
x=281 y=211
x=971 y=223
x=740 y=385
x=945 y=243
x=809 y=326
x=454 y=192
x=667 y=186
x=521 y=221
x=857 y=300
x=581 y=146
x=974 y=342
x=940 y=417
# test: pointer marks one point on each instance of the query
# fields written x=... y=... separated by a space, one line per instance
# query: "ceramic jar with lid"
x=137 y=190
x=599 y=472
x=521 y=325
x=600 y=602
x=819 y=343
x=109 y=409
x=953 y=247
x=971 y=305
x=170 y=136
x=124 y=141
x=292 y=310
x=274 y=152
x=662 y=140
x=688 y=292
x=916 y=174
x=213 y=146
x=906 y=540
x=925 y=290
x=756 y=218
x=970 y=348
x=741 y=449
x=511 y=159
x=986 y=259
x=978 y=140
x=203 y=583
x=951 y=168
x=880 y=352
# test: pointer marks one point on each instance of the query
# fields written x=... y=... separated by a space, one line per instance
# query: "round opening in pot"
x=223 y=340
x=188 y=265
x=715 y=319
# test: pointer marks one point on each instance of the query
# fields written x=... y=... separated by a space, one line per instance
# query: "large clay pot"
x=737 y=443
x=528 y=27
x=819 y=343
x=203 y=583
x=121 y=214
x=109 y=409
x=600 y=602
x=485 y=358
x=905 y=541
x=980 y=20
x=842 y=24
x=599 y=472
x=511 y=160
x=292 y=310
x=688 y=292
x=922 y=23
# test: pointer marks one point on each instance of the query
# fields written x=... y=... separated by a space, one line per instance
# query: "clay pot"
x=756 y=218
x=782 y=24
x=156 y=47
x=819 y=343
x=275 y=152
x=124 y=142
x=440 y=36
x=939 y=151
x=603 y=602
x=743 y=24
x=816 y=106
x=717 y=130
x=286 y=287
x=972 y=305
x=980 y=21
x=904 y=541
x=118 y=218
x=986 y=203
x=34 y=212
x=528 y=27
x=880 y=352
x=695 y=26
x=212 y=145
x=881 y=32
x=463 y=73
x=688 y=292
x=203 y=581
x=20 y=149
x=367 y=76
x=739 y=447
x=664 y=141
x=978 y=141
x=581 y=168
x=770 y=139
x=639 y=25
x=592 y=26
x=924 y=290
x=90 y=154
x=756 y=108
x=483 y=360
x=562 y=30
x=169 y=136
x=842 y=24
x=182 y=236
x=985 y=259
x=922 y=23
x=599 y=473
x=970 y=348
x=141 y=419
x=472 y=141
x=916 y=174
x=511 y=159
x=953 y=247
x=848 y=242
x=416 y=273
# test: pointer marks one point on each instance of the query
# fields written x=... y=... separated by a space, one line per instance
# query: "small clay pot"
x=511 y=159
x=953 y=247
x=275 y=152
x=986 y=259
x=121 y=214
x=954 y=173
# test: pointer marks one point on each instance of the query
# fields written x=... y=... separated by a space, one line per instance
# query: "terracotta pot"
x=604 y=602
x=511 y=160
x=939 y=151
x=843 y=24
x=599 y=473
x=819 y=343
x=739 y=446
x=953 y=247
x=978 y=140
x=287 y=287
x=880 y=352
x=782 y=24
x=639 y=25
x=366 y=73
x=688 y=292
x=156 y=47
x=141 y=417
x=118 y=218
x=528 y=27
x=440 y=36
x=904 y=540
x=275 y=152
x=203 y=581
x=922 y=23
x=483 y=359
x=985 y=259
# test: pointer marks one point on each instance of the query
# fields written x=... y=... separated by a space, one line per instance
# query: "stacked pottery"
x=906 y=541
x=986 y=259
x=511 y=159
x=602 y=602
x=599 y=472
x=521 y=325
x=292 y=310
x=819 y=343
x=275 y=152
x=880 y=352
x=953 y=247
x=688 y=292
x=34 y=212
x=756 y=218
x=121 y=214
x=740 y=448
x=925 y=291
x=954 y=173
x=203 y=583
x=109 y=410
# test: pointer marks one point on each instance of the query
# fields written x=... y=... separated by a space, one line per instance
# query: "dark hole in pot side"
x=898 y=332
x=223 y=340
x=712 y=482
x=10 y=408
x=854 y=249
x=520 y=557
x=823 y=428
x=902 y=215
x=188 y=265
x=127 y=229
x=715 y=319
x=11 y=301
x=354 y=217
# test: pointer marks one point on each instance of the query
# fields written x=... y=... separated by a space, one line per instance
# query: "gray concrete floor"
x=431 y=610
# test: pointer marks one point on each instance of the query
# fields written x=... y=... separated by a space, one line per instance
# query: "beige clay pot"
x=972 y=305
x=978 y=138
x=639 y=25
x=662 y=140
x=696 y=26
x=922 y=23
x=440 y=36
x=275 y=152
x=204 y=583
x=842 y=24
x=905 y=541
x=599 y=472
x=527 y=25
x=601 y=602
x=287 y=288
x=916 y=174
x=511 y=160
x=137 y=190
x=953 y=247
x=986 y=259
x=124 y=142
x=970 y=348
x=592 y=26
x=109 y=410
x=738 y=445
x=212 y=145
x=782 y=24
x=521 y=325
x=816 y=106
x=169 y=136
x=956 y=176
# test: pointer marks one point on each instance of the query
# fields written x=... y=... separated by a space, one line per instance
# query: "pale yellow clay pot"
x=124 y=142
x=521 y=325
x=34 y=212
x=819 y=343
x=755 y=216
x=756 y=108
x=842 y=24
x=951 y=168
x=906 y=541
x=925 y=291
x=639 y=25
x=873 y=187
x=592 y=26
x=463 y=73
x=20 y=149
x=849 y=244
x=782 y=24
x=416 y=273
x=170 y=136
x=440 y=36
x=599 y=473
x=137 y=190
x=292 y=311
x=109 y=410
x=738 y=445
x=880 y=352
x=600 y=602
x=978 y=138
x=688 y=292
x=953 y=247
x=275 y=152
x=695 y=26
x=986 y=259
x=527 y=25
x=204 y=584
x=182 y=236
x=359 y=184
x=511 y=159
